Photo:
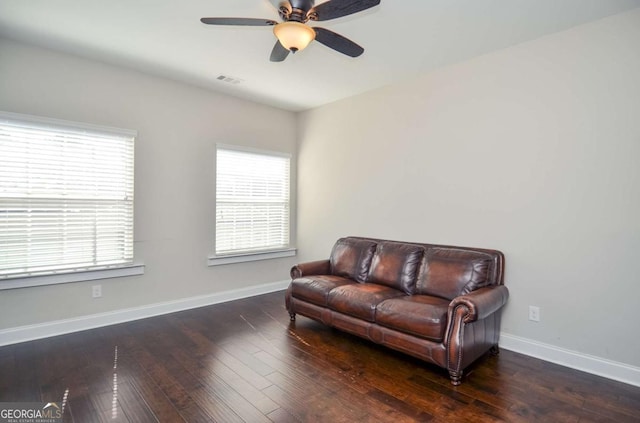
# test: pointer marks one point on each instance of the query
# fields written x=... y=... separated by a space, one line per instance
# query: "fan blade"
x=279 y=53
x=338 y=42
x=238 y=21
x=338 y=8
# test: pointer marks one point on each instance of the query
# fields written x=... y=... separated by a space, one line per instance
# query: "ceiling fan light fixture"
x=294 y=36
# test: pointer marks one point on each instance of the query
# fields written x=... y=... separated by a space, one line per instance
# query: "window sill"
x=73 y=276
x=242 y=258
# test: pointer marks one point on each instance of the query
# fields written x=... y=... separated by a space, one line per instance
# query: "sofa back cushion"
x=396 y=265
x=351 y=258
x=451 y=272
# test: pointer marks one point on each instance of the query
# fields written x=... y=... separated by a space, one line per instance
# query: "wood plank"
x=243 y=361
x=80 y=408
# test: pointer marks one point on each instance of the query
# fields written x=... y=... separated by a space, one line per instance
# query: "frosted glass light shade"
x=294 y=36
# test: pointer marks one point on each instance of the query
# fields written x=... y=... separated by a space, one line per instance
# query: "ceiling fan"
x=294 y=34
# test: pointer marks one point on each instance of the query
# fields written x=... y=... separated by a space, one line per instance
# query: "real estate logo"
x=30 y=412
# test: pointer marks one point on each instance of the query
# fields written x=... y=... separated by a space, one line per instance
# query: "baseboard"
x=572 y=359
x=60 y=327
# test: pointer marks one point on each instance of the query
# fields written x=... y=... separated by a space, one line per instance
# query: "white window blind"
x=66 y=196
x=252 y=201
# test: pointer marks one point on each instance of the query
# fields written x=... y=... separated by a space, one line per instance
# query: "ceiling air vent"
x=230 y=79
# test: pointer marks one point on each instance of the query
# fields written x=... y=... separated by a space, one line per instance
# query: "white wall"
x=178 y=127
x=533 y=150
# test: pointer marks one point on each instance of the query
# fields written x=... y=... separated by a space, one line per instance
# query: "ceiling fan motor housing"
x=297 y=11
x=305 y=5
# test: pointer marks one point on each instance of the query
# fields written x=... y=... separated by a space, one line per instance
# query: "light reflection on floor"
x=114 y=401
x=65 y=396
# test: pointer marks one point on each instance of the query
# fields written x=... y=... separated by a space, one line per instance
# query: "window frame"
x=216 y=259
x=78 y=273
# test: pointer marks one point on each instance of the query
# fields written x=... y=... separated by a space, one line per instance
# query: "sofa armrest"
x=320 y=267
x=480 y=303
x=471 y=328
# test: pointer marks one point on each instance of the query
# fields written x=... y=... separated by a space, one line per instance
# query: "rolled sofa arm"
x=480 y=303
x=320 y=267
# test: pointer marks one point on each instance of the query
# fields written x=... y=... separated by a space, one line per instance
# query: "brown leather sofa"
x=439 y=303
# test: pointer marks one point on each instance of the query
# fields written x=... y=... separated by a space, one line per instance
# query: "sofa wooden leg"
x=495 y=350
x=292 y=316
x=456 y=377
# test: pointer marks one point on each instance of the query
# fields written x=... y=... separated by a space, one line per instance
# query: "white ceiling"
x=401 y=39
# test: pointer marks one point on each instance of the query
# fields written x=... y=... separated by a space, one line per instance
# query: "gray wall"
x=178 y=127
x=533 y=150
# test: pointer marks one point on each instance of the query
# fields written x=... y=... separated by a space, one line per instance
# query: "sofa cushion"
x=420 y=315
x=396 y=264
x=360 y=300
x=450 y=272
x=315 y=289
x=351 y=258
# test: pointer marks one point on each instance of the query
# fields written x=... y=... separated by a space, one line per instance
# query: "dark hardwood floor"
x=243 y=361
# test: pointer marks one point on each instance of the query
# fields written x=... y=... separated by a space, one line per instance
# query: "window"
x=252 y=202
x=66 y=197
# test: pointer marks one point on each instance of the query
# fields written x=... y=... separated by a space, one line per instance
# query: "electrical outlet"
x=96 y=291
x=534 y=313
